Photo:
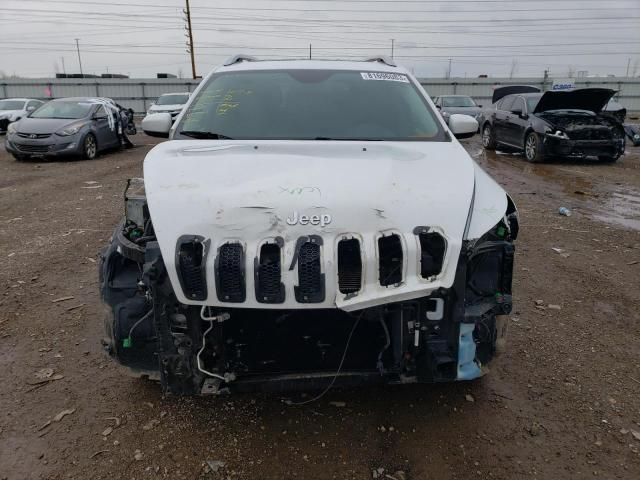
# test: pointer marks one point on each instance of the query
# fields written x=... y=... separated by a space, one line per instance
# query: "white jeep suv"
x=309 y=223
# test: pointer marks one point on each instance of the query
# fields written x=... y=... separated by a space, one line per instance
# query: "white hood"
x=11 y=113
x=245 y=190
x=166 y=108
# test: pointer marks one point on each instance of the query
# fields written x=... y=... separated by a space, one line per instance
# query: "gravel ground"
x=562 y=402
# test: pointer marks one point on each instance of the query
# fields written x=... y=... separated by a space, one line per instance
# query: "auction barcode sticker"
x=390 y=77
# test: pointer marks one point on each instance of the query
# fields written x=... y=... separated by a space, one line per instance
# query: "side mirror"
x=30 y=108
x=479 y=106
x=157 y=124
x=463 y=126
x=439 y=107
x=519 y=113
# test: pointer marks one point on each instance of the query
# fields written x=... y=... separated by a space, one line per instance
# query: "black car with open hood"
x=553 y=124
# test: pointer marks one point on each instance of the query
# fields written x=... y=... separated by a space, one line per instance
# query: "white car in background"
x=171 y=103
x=13 y=109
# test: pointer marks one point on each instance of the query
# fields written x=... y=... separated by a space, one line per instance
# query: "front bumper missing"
x=582 y=148
x=447 y=336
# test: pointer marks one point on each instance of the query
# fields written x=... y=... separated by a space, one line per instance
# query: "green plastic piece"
x=127 y=342
x=501 y=231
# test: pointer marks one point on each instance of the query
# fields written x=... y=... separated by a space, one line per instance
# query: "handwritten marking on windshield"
x=300 y=190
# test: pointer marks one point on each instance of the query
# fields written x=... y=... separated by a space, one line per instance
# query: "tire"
x=533 y=149
x=89 y=147
x=488 y=138
x=20 y=158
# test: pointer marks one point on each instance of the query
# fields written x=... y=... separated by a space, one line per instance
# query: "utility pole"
x=79 y=58
x=393 y=40
x=628 y=64
x=449 y=70
x=187 y=12
x=64 y=70
x=309 y=51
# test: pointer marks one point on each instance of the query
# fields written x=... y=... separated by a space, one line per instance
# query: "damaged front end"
x=209 y=347
x=582 y=135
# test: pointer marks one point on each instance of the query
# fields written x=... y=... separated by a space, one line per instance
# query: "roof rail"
x=382 y=59
x=239 y=58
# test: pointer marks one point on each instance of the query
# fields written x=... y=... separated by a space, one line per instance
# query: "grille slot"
x=34 y=135
x=268 y=275
x=391 y=260
x=191 y=269
x=432 y=248
x=230 y=282
x=310 y=287
x=33 y=148
x=349 y=266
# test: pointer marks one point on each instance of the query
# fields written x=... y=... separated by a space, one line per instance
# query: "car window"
x=312 y=104
x=532 y=101
x=100 y=112
x=458 y=102
x=506 y=103
x=34 y=104
x=11 y=104
x=172 y=100
x=518 y=104
x=63 y=109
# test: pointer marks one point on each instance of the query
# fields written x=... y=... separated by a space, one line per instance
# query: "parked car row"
x=78 y=126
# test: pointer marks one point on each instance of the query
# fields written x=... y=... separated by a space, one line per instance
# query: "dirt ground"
x=562 y=403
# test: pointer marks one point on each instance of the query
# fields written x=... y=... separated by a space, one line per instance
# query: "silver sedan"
x=79 y=126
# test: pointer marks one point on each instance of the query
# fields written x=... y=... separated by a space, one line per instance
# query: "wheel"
x=89 y=147
x=20 y=158
x=488 y=139
x=533 y=150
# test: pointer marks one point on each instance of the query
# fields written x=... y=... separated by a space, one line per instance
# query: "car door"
x=500 y=118
x=105 y=134
x=516 y=123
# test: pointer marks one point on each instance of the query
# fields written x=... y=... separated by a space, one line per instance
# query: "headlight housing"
x=71 y=130
x=11 y=128
x=558 y=134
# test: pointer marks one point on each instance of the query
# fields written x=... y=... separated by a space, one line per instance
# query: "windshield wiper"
x=350 y=139
x=204 y=135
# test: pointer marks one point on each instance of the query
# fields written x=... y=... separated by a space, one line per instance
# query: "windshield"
x=69 y=110
x=11 y=104
x=311 y=104
x=532 y=101
x=458 y=102
x=172 y=100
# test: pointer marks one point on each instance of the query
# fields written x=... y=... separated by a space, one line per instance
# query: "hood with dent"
x=46 y=125
x=590 y=99
x=245 y=191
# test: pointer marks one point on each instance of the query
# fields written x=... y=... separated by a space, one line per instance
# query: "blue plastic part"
x=468 y=369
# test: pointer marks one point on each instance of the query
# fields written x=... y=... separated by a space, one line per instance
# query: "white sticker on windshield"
x=390 y=77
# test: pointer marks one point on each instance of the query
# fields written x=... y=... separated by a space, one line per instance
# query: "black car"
x=553 y=123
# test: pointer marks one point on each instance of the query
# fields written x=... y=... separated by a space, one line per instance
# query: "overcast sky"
x=498 y=38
